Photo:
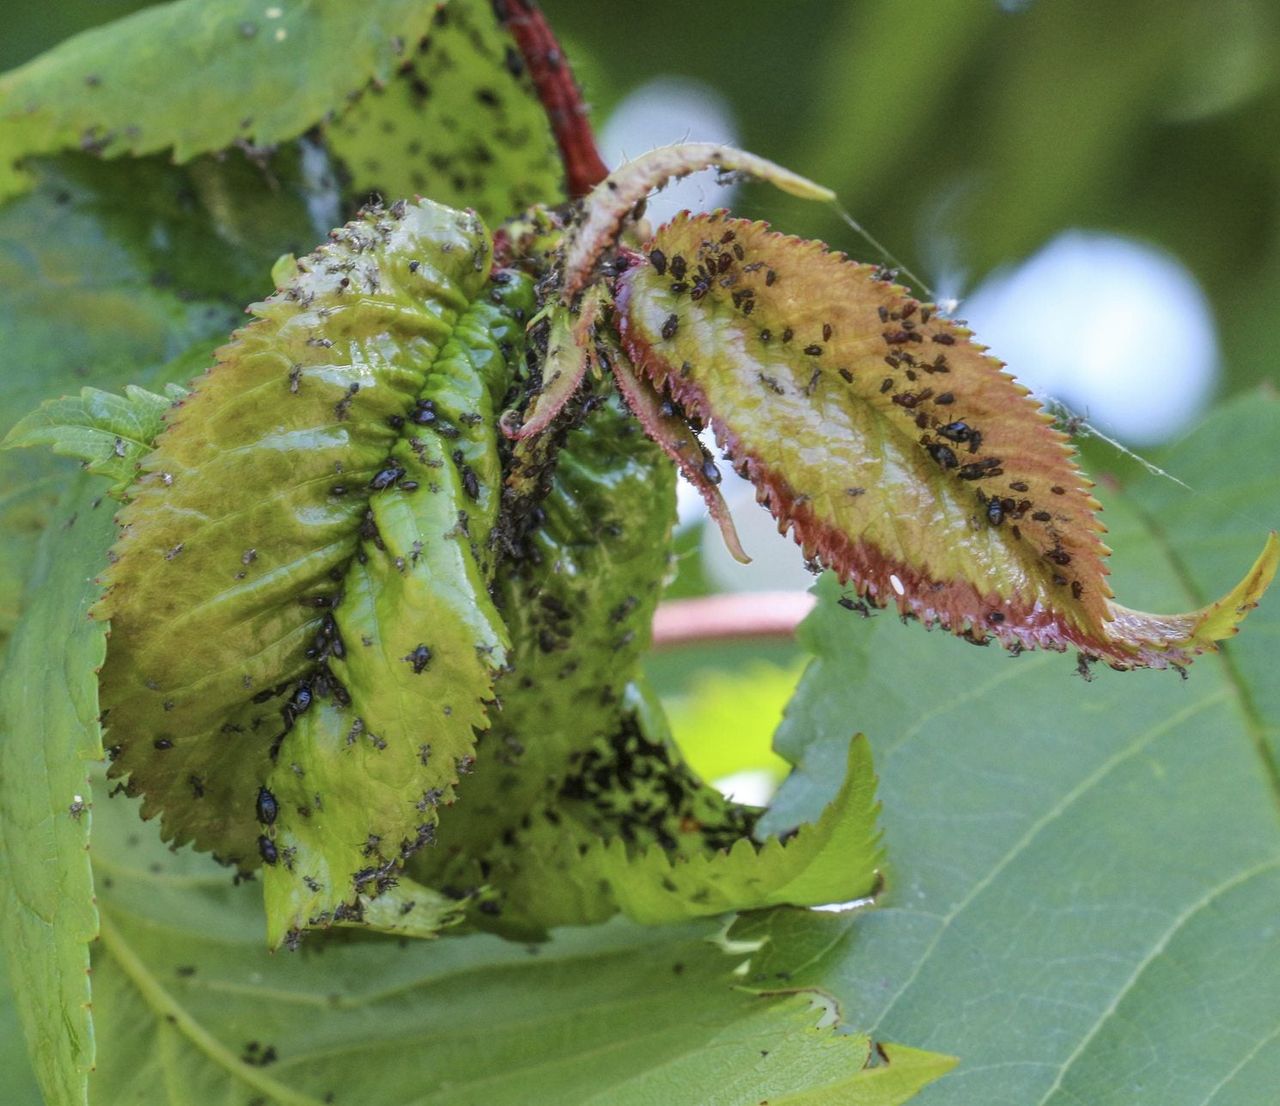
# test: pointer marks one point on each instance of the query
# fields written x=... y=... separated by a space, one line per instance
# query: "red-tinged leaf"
x=571 y=350
x=679 y=443
x=895 y=449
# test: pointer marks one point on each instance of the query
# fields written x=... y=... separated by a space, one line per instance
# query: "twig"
x=746 y=615
x=561 y=98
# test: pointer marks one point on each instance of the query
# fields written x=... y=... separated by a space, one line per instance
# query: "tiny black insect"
x=267 y=849
x=267 y=807
x=420 y=657
x=386 y=477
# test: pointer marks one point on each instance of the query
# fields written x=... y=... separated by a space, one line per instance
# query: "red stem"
x=561 y=98
x=769 y=614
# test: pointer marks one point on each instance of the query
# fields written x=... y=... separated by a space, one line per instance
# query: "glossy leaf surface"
x=340 y=452
x=891 y=445
x=1089 y=871
x=141 y=84
x=48 y=735
x=458 y=121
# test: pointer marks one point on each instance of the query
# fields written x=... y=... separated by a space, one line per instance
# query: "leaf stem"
x=746 y=615
x=558 y=91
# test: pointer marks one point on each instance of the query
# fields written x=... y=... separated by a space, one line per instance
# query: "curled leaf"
x=893 y=447
x=577 y=593
x=571 y=350
x=302 y=642
x=679 y=442
x=592 y=856
x=613 y=199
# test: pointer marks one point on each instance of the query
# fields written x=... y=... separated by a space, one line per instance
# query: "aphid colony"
x=393 y=504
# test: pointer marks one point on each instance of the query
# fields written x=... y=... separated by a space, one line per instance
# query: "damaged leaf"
x=891 y=445
x=313 y=513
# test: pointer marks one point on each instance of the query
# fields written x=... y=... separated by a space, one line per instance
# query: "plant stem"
x=561 y=98
x=745 y=615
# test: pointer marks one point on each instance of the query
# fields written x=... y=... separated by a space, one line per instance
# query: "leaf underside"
x=891 y=445
x=1127 y=830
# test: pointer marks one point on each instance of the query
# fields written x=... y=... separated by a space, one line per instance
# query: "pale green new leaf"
x=107 y=433
x=195 y=76
x=48 y=734
x=190 y=1006
x=1088 y=872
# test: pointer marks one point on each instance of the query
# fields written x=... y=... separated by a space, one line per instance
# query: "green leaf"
x=98 y=288
x=48 y=731
x=565 y=875
x=142 y=84
x=108 y=434
x=1089 y=872
x=311 y=529
x=459 y=122
x=895 y=450
x=21 y=1088
x=577 y=591
x=185 y=996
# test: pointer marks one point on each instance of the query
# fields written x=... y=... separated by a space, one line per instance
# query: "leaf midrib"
x=160 y=1000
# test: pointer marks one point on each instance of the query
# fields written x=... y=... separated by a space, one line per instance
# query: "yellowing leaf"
x=895 y=449
x=302 y=641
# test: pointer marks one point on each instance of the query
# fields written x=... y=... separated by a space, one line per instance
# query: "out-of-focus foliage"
x=968 y=134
